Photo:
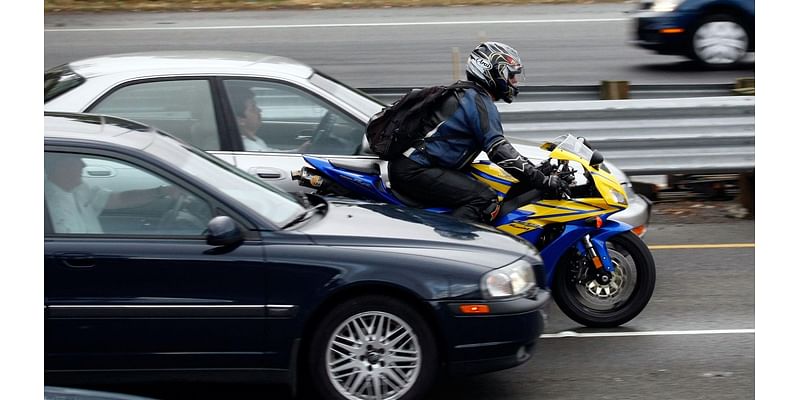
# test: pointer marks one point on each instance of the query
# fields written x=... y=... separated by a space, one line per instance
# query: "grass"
x=65 y=6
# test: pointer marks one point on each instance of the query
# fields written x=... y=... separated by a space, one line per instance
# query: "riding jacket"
x=470 y=123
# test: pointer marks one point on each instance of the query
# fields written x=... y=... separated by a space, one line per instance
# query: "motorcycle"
x=600 y=273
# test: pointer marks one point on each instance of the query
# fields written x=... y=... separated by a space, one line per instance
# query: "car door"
x=137 y=287
x=293 y=122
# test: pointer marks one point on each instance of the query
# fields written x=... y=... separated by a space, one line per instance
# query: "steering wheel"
x=178 y=219
x=170 y=217
x=324 y=128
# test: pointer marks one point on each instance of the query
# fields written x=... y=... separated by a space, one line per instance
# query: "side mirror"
x=596 y=160
x=223 y=231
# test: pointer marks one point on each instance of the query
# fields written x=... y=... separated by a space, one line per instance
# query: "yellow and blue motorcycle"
x=600 y=273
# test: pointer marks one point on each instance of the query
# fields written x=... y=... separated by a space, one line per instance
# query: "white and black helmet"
x=492 y=65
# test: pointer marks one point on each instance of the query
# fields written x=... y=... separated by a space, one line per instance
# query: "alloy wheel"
x=373 y=355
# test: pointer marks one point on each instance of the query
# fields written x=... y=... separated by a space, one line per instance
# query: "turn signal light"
x=596 y=221
x=474 y=308
x=639 y=230
x=672 y=30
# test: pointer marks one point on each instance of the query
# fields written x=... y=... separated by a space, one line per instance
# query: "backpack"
x=405 y=122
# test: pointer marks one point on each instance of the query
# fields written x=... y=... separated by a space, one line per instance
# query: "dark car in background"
x=715 y=33
x=206 y=273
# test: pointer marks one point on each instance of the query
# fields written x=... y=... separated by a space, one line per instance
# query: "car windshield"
x=358 y=99
x=60 y=80
x=272 y=203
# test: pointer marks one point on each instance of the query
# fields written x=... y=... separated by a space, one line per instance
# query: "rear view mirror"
x=223 y=231
x=596 y=160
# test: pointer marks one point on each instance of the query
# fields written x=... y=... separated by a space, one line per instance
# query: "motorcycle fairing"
x=545 y=212
x=572 y=234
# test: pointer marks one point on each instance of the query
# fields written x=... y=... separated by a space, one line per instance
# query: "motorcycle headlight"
x=513 y=279
x=666 y=5
x=619 y=197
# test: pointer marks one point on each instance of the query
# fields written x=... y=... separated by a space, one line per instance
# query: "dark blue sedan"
x=715 y=33
x=165 y=263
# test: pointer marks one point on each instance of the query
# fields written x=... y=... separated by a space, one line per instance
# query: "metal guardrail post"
x=614 y=90
x=456 y=63
x=745 y=86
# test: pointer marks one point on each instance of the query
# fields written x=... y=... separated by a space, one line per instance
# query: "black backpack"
x=405 y=122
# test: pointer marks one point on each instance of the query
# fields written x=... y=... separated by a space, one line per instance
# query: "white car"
x=188 y=94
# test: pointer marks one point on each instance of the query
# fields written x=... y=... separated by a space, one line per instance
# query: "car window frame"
x=230 y=119
x=217 y=207
x=223 y=136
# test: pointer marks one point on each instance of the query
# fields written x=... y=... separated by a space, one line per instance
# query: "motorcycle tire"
x=397 y=360
x=622 y=299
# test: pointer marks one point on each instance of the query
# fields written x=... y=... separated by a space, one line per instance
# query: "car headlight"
x=666 y=5
x=511 y=280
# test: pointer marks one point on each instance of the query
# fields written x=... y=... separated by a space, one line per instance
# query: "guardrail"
x=587 y=92
x=652 y=136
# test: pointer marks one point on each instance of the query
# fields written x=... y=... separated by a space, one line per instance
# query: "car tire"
x=719 y=41
x=373 y=345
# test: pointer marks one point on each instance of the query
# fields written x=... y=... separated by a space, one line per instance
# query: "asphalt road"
x=695 y=339
x=560 y=44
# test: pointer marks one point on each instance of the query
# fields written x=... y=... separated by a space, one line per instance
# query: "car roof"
x=192 y=62
x=72 y=127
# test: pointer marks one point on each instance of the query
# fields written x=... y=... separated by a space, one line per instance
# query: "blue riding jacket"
x=471 y=127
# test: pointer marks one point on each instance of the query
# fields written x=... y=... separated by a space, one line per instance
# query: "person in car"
x=470 y=123
x=75 y=206
x=248 y=118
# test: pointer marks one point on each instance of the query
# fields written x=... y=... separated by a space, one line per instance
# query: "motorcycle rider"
x=470 y=123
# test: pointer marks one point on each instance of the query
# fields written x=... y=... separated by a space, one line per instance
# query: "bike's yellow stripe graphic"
x=702 y=246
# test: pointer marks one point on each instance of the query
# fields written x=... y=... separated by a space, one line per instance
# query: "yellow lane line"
x=702 y=246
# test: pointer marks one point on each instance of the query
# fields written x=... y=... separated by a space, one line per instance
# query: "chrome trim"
x=171 y=311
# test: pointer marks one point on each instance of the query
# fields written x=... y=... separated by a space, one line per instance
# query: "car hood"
x=410 y=231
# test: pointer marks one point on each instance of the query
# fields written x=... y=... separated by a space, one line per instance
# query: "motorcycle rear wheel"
x=617 y=302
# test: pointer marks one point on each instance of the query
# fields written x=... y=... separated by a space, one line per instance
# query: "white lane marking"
x=346 y=25
x=573 y=334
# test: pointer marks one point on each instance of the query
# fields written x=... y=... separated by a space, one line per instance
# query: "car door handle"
x=77 y=260
x=267 y=172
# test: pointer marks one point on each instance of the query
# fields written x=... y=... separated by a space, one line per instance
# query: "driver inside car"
x=75 y=206
x=248 y=121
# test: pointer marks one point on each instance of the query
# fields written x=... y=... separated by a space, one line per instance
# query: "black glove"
x=555 y=186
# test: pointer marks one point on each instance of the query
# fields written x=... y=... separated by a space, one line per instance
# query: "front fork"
x=597 y=254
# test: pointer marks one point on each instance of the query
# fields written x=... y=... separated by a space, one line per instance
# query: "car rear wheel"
x=719 y=41
x=373 y=347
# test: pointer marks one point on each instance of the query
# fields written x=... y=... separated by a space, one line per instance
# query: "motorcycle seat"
x=363 y=166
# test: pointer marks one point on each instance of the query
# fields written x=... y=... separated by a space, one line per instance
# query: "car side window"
x=275 y=117
x=88 y=194
x=183 y=108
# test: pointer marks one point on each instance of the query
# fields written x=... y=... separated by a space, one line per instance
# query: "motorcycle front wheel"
x=605 y=305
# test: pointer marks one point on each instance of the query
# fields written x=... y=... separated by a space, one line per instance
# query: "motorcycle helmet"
x=492 y=65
